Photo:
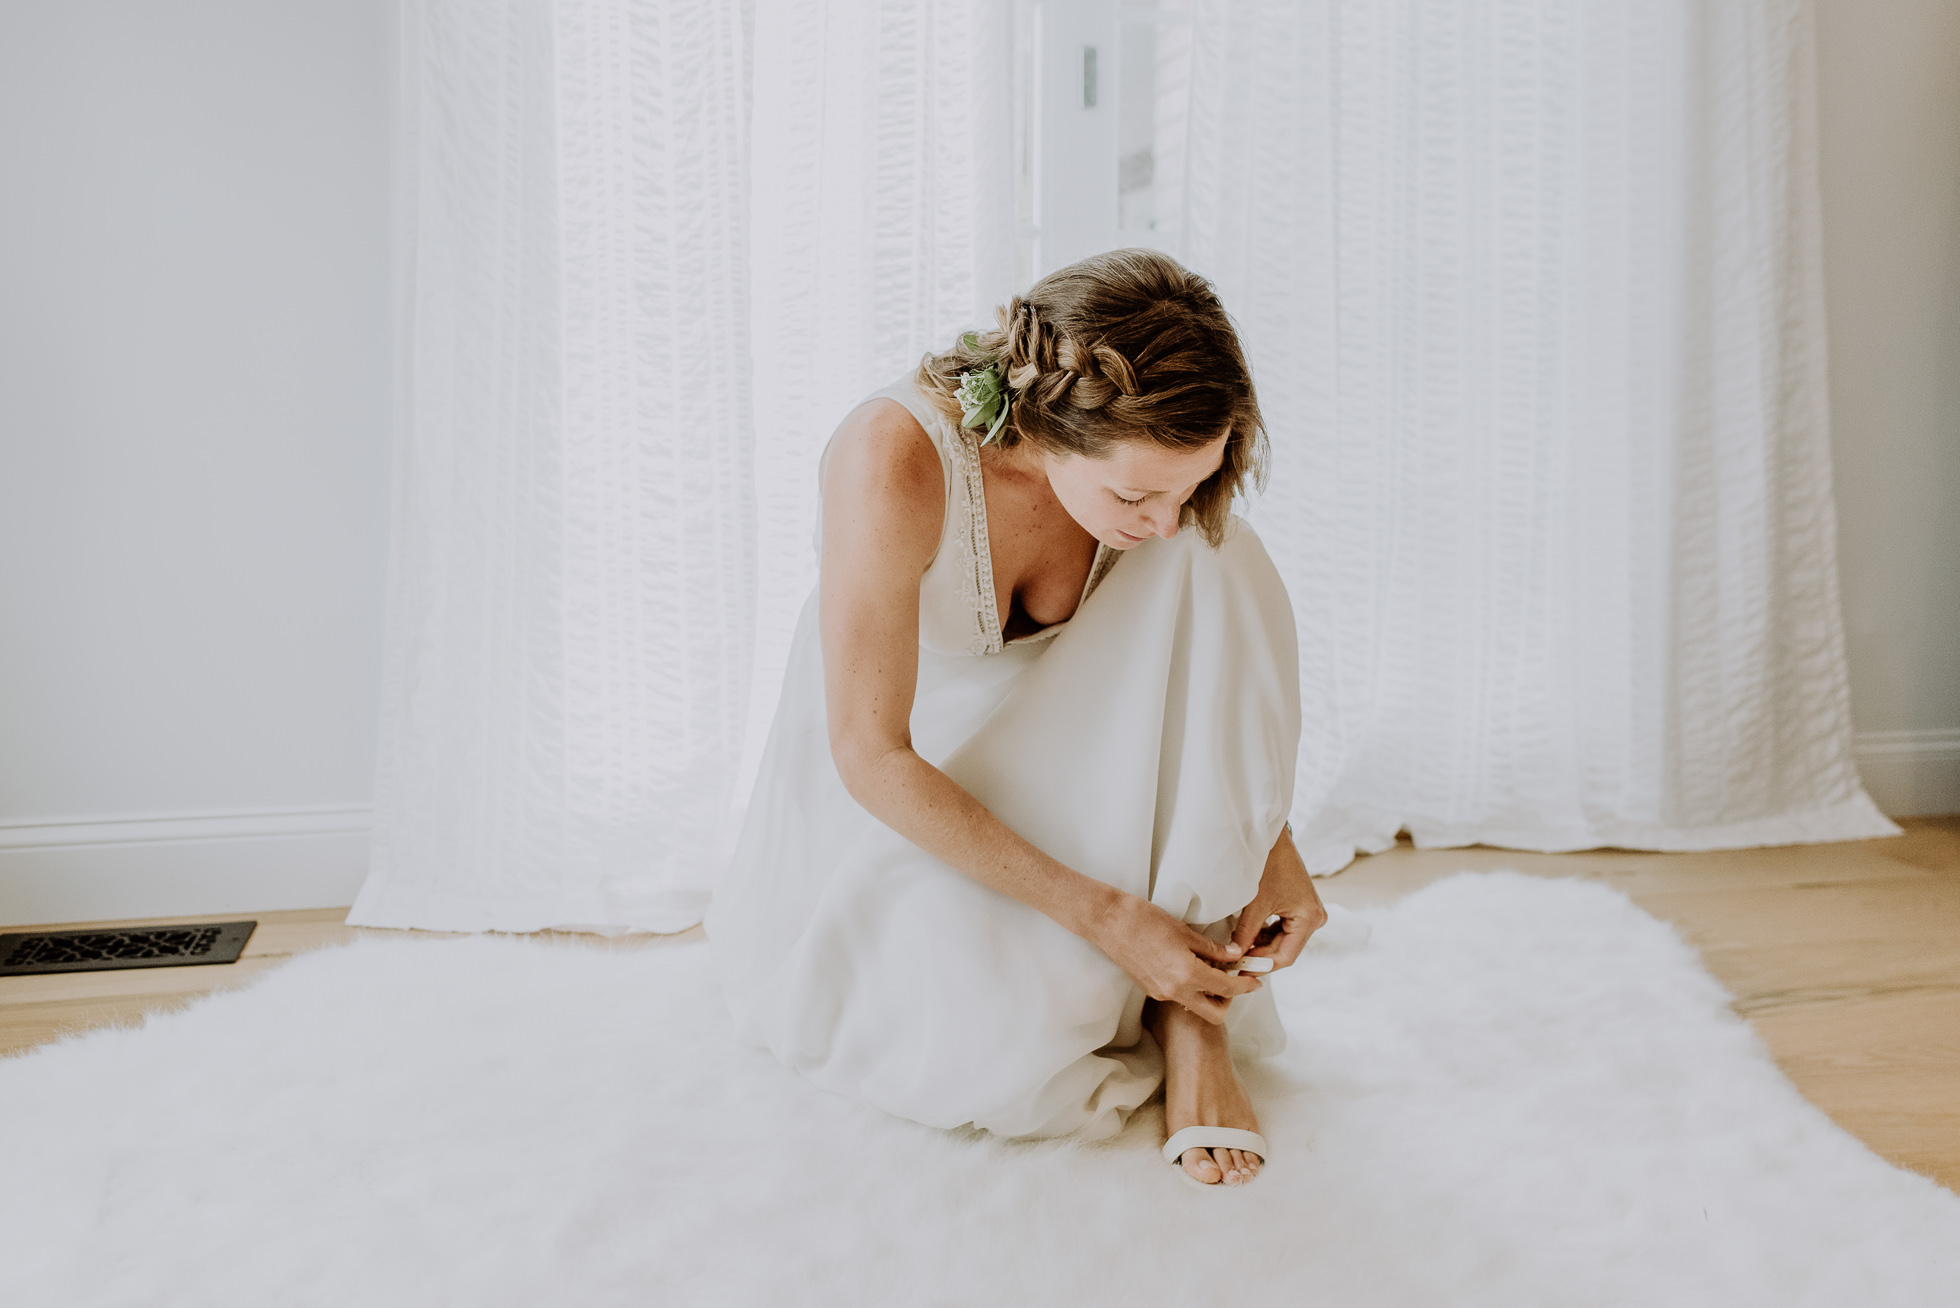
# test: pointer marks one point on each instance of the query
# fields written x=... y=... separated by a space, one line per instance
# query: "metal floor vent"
x=103 y=951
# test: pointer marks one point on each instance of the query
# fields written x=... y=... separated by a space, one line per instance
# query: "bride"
x=1020 y=831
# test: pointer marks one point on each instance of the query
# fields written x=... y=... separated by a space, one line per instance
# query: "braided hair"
x=1127 y=345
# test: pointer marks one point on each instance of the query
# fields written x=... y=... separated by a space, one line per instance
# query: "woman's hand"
x=1170 y=960
x=1285 y=892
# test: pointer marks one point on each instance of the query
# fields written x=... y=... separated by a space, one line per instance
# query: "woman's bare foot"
x=1201 y=1089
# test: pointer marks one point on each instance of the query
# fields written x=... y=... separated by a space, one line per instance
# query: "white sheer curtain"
x=589 y=616
x=883 y=226
x=1532 y=290
x=567 y=671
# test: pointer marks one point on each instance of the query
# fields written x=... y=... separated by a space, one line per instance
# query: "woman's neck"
x=1021 y=462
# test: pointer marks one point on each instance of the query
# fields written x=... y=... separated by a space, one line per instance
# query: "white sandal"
x=1211 y=1137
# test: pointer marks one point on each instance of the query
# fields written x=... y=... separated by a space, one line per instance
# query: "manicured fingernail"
x=1233 y=949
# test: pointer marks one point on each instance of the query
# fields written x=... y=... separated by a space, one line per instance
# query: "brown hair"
x=1126 y=345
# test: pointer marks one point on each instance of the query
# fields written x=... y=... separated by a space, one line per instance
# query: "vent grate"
x=24 y=953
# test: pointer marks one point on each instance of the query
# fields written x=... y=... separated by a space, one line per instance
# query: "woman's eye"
x=1132 y=503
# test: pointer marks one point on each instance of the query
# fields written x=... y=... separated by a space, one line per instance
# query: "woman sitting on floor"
x=1021 y=821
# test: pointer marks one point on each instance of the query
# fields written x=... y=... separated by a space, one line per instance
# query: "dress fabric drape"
x=567 y=670
x=1532 y=292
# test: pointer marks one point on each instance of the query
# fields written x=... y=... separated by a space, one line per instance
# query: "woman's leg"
x=1201 y=1087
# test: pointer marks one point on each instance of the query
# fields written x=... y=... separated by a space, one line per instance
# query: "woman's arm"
x=883 y=509
x=1286 y=894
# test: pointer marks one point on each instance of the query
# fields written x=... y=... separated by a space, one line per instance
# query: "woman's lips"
x=1128 y=539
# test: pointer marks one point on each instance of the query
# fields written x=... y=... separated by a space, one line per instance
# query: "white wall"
x=1075 y=186
x=194 y=443
x=1889 y=74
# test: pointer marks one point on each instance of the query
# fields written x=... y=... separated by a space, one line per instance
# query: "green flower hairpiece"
x=983 y=398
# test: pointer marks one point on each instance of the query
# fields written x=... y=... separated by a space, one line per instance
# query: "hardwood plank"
x=1779 y=976
x=1926 y=1143
x=1914 y=1037
x=141 y=983
x=37 y=1009
x=1908 y=911
x=1384 y=877
x=25 y=1026
x=1930 y=843
x=1886 y=1067
x=278 y=936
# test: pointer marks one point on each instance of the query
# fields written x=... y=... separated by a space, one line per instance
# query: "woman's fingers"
x=1227 y=985
x=1252 y=920
x=1287 y=948
x=1299 y=929
x=1191 y=970
x=1209 y=992
x=1223 y=953
x=1286 y=891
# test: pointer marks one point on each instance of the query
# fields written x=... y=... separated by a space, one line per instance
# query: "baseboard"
x=1911 y=773
x=103 y=869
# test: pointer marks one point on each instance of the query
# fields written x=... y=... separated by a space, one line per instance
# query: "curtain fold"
x=605 y=511
x=1532 y=293
x=567 y=670
x=883 y=227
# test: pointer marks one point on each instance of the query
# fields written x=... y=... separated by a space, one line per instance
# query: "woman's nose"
x=1164 y=524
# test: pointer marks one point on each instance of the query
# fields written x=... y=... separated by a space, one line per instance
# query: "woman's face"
x=1137 y=492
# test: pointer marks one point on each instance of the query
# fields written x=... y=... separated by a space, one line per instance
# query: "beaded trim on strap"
x=977 y=557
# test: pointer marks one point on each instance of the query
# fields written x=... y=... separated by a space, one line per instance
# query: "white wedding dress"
x=1149 y=741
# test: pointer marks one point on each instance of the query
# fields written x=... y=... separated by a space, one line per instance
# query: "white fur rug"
x=1513 y=1092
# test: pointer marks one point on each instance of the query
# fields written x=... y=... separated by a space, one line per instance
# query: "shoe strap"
x=1213 y=1137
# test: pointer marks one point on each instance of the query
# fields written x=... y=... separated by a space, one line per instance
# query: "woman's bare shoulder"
x=880 y=457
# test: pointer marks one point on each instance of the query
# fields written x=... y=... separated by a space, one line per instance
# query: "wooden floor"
x=1846 y=958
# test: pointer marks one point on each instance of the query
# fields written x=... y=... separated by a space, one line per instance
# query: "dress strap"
x=976 y=553
x=972 y=562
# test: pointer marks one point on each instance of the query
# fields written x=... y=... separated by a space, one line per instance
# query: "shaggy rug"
x=1500 y=1091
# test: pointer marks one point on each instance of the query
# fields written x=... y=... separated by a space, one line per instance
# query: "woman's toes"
x=1236 y=1172
x=1199 y=1163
